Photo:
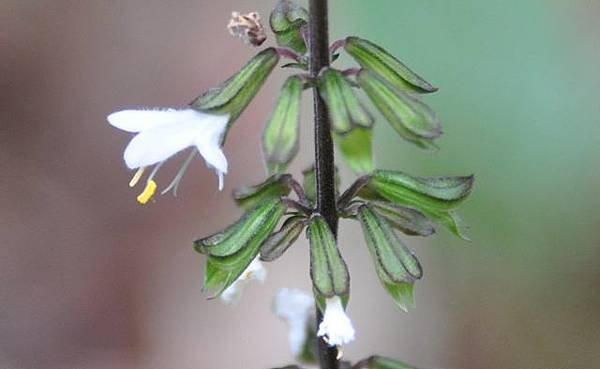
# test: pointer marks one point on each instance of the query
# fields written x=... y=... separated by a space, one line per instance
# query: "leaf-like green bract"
x=357 y=149
x=431 y=192
x=396 y=266
x=378 y=60
x=234 y=95
x=280 y=241
x=273 y=187
x=281 y=135
x=287 y=21
x=345 y=110
x=248 y=228
x=407 y=220
x=327 y=268
x=412 y=119
x=222 y=271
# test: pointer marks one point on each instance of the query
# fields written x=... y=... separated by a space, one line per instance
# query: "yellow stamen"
x=137 y=176
x=148 y=192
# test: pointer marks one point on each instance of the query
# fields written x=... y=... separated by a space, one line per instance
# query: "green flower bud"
x=280 y=139
x=234 y=95
x=411 y=118
x=238 y=246
x=345 y=110
x=395 y=264
x=287 y=21
x=273 y=187
x=390 y=69
x=327 y=268
x=280 y=241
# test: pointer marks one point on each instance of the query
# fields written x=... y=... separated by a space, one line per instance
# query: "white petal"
x=208 y=141
x=255 y=271
x=141 y=120
x=158 y=144
x=297 y=309
x=336 y=325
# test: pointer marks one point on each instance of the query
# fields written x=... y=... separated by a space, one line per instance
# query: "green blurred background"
x=89 y=279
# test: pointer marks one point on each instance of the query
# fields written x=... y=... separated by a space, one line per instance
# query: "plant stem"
x=324 y=166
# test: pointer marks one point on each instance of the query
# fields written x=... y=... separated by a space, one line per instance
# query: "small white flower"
x=297 y=309
x=163 y=133
x=336 y=325
x=255 y=271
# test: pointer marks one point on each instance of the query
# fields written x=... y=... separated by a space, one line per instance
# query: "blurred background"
x=92 y=280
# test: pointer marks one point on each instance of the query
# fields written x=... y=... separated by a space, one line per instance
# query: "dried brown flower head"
x=247 y=27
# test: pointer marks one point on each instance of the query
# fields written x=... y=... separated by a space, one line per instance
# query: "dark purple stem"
x=324 y=166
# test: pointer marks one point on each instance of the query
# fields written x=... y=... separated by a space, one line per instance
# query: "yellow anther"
x=137 y=176
x=148 y=192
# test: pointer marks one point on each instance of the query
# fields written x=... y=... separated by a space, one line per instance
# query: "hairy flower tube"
x=336 y=325
x=297 y=309
x=161 y=134
x=254 y=271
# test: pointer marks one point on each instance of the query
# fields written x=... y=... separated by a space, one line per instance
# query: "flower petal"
x=255 y=270
x=208 y=142
x=336 y=325
x=297 y=309
x=155 y=145
x=141 y=120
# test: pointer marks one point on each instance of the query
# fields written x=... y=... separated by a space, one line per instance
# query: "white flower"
x=336 y=325
x=163 y=133
x=297 y=309
x=255 y=270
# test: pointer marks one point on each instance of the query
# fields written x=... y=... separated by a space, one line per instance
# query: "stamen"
x=137 y=176
x=174 y=185
x=148 y=192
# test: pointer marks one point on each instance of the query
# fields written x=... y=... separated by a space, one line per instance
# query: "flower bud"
x=374 y=58
x=288 y=22
x=234 y=95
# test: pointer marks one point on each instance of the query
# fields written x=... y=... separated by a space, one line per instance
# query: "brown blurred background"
x=91 y=280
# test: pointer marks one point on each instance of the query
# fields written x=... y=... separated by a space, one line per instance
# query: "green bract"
x=406 y=220
x=245 y=230
x=411 y=118
x=228 y=258
x=344 y=108
x=430 y=192
x=376 y=59
x=234 y=95
x=395 y=264
x=280 y=241
x=357 y=149
x=281 y=136
x=287 y=21
x=273 y=187
x=327 y=268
